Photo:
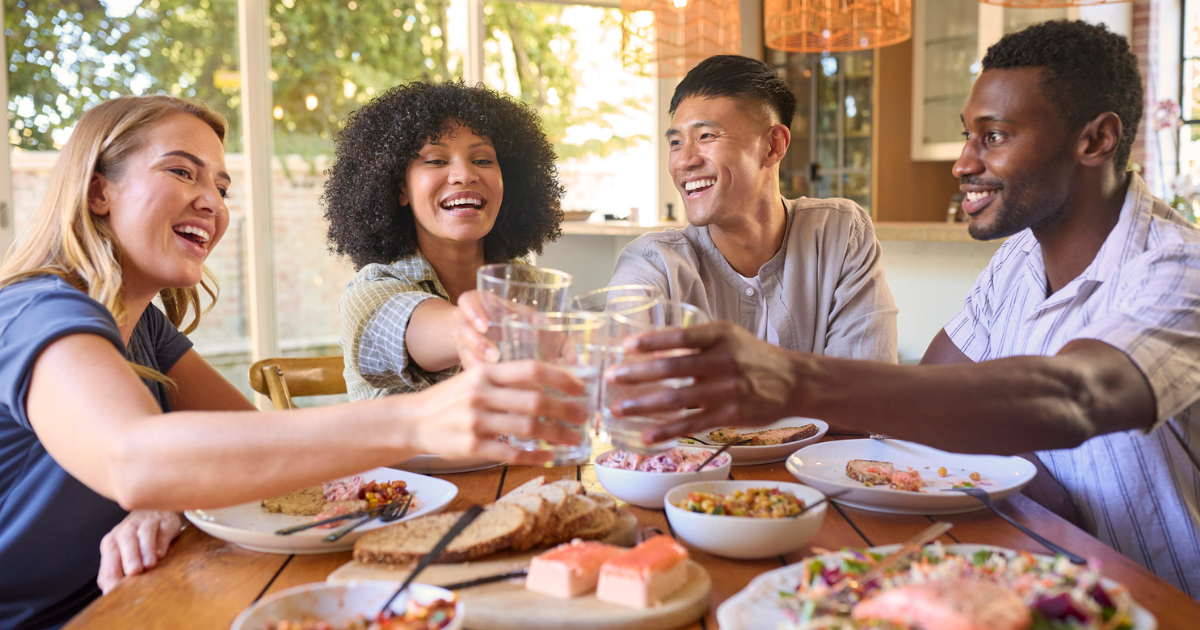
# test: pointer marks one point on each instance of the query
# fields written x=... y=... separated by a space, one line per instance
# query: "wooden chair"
x=281 y=379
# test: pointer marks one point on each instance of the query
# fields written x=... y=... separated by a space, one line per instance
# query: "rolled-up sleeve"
x=862 y=318
x=1157 y=324
x=641 y=265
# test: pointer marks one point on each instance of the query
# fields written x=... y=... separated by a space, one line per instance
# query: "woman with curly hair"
x=430 y=182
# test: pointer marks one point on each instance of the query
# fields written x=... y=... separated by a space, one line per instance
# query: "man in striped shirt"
x=1081 y=340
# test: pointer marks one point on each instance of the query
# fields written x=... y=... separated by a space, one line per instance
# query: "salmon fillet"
x=951 y=604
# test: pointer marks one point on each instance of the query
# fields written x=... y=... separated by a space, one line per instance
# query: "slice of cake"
x=569 y=570
x=644 y=577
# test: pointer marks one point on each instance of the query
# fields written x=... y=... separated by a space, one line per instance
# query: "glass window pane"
x=66 y=56
x=1018 y=19
x=565 y=61
x=326 y=62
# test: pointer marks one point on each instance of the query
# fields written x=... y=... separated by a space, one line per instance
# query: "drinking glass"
x=626 y=432
x=574 y=341
x=507 y=288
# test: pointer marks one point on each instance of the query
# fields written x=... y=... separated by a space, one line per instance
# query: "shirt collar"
x=710 y=250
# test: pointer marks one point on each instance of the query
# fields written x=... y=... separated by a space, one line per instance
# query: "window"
x=1189 y=88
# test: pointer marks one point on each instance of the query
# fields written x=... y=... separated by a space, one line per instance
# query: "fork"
x=393 y=511
x=982 y=495
x=841 y=592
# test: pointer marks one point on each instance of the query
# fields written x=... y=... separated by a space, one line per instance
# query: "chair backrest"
x=282 y=379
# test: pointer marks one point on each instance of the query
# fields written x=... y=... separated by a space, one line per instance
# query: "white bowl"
x=744 y=537
x=339 y=603
x=647 y=489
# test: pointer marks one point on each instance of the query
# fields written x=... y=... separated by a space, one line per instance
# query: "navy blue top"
x=51 y=523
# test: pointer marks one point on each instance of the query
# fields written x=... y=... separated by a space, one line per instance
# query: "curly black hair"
x=367 y=222
x=1087 y=71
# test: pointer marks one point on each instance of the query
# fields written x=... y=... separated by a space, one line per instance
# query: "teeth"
x=465 y=201
x=976 y=196
x=188 y=229
x=699 y=183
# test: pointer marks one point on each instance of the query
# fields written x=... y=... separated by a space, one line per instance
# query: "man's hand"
x=135 y=545
x=739 y=379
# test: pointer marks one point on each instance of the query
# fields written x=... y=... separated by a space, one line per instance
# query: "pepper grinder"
x=670 y=212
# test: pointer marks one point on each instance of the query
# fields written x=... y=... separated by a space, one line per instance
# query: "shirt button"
x=749 y=291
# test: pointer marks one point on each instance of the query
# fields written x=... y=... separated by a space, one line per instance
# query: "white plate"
x=746 y=455
x=339 y=604
x=434 y=465
x=823 y=466
x=249 y=525
x=756 y=606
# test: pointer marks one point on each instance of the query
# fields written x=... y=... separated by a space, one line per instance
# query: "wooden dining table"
x=204 y=582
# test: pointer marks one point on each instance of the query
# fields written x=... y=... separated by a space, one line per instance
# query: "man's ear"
x=778 y=139
x=1099 y=140
x=99 y=195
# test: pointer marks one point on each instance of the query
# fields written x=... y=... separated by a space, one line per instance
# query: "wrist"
x=401 y=415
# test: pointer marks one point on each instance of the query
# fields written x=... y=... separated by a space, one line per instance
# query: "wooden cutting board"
x=508 y=606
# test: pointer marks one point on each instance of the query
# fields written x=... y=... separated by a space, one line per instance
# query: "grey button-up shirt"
x=825 y=289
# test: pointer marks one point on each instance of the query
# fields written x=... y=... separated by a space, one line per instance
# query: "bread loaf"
x=404 y=543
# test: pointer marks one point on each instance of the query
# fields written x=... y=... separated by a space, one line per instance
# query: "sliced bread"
x=303 y=502
x=540 y=509
x=570 y=486
x=555 y=496
x=870 y=471
x=576 y=514
x=603 y=501
x=529 y=487
x=406 y=542
x=602 y=524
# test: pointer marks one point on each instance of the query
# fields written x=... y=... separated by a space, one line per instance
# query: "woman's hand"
x=474 y=348
x=739 y=380
x=135 y=545
x=463 y=416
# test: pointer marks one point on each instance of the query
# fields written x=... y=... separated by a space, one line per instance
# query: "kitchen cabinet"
x=950 y=38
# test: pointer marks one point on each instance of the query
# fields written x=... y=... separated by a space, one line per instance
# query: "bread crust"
x=404 y=543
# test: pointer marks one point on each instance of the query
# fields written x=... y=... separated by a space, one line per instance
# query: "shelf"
x=952 y=39
x=615 y=228
x=935 y=231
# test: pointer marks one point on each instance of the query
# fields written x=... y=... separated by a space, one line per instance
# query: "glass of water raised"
x=574 y=341
x=625 y=432
x=510 y=288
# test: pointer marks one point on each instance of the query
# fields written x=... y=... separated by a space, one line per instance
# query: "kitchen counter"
x=935 y=231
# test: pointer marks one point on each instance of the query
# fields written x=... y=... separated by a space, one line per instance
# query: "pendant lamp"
x=1049 y=4
x=675 y=35
x=836 y=25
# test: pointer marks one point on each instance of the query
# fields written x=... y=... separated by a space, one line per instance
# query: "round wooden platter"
x=508 y=606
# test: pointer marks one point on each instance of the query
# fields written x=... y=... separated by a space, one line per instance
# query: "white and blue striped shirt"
x=1137 y=491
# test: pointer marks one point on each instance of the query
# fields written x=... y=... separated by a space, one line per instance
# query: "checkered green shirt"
x=376 y=308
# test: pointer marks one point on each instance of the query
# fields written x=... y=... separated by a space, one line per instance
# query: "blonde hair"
x=68 y=241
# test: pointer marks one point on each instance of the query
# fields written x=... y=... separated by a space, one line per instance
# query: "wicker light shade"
x=675 y=35
x=836 y=25
x=1049 y=4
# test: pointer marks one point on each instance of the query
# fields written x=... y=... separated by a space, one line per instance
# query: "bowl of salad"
x=745 y=519
x=353 y=606
x=643 y=480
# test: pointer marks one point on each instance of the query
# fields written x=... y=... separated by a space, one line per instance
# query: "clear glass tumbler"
x=575 y=341
x=626 y=432
x=508 y=288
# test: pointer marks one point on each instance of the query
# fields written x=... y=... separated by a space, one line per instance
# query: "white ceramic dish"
x=746 y=455
x=434 y=465
x=647 y=489
x=743 y=537
x=823 y=466
x=339 y=603
x=757 y=605
x=249 y=525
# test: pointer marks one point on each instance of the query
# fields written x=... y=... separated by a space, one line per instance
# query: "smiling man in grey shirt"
x=803 y=274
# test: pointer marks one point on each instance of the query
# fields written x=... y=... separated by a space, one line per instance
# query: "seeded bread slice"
x=870 y=471
x=602 y=523
x=303 y=502
x=771 y=437
x=570 y=486
x=529 y=487
x=576 y=515
x=406 y=542
x=555 y=496
x=540 y=509
x=603 y=501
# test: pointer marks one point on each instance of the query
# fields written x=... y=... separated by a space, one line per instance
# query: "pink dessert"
x=645 y=576
x=569 y=570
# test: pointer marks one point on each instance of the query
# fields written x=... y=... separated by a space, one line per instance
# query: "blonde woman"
x=88 y=368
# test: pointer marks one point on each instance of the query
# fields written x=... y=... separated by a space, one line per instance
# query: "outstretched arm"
x=1005 y=406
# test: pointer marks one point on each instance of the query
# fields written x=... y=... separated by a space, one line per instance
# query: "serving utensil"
x=727 y=446
x=841 y=592
x=828 y=497
x=520 y=573
x=982 y=495
x=463 y=521
x=390 y=512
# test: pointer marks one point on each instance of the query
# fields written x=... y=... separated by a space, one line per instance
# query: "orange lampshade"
x=835 y=25
x=675 y=35
x=1049 y=4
